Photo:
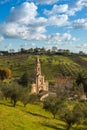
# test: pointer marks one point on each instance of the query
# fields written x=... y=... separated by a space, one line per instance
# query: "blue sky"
x=43 y=23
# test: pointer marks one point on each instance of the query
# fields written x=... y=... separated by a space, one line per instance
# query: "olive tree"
x=12 y=91
x=71 y=114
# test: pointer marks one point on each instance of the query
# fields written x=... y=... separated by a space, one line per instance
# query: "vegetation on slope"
x=52 y=65
x=80 y=60
x=29 y=118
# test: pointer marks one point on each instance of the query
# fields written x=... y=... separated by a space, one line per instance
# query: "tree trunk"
x=69 y=126
x=14 y=103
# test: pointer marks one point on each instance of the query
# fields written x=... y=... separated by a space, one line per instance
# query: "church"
x=40 y=84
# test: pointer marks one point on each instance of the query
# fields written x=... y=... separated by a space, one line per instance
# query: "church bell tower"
x=40 y=84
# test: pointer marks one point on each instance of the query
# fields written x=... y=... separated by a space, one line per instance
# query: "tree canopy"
x=5 y=73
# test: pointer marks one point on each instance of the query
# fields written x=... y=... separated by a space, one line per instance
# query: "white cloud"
x=25 y=23
x=15 y=30
x=24 y=13
x=58 y=20
x=58 y=38
x=22 y=23
x=77 y=6
x=47 y=1
x=82 y=2
x=12 y=30
x=57 y=9
x=84 y=45
x=68 y=9
x=80 y=24
x=57 y=16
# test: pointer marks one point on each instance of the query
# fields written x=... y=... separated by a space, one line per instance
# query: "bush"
x=5 y=73
x=24 y=80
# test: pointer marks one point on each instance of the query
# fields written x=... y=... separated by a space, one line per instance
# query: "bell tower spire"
x=38 y=67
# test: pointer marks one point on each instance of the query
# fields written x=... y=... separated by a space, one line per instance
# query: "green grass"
x=29 y=118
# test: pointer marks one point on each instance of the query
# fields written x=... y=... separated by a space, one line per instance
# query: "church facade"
x=40 y=84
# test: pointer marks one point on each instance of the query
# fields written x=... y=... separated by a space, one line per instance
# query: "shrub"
x=24 y=80
x=5 y=73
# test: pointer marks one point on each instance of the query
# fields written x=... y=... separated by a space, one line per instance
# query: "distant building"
x=39 y=84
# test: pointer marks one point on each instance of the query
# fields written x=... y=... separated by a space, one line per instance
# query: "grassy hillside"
x=29 y=118
x=52 y=66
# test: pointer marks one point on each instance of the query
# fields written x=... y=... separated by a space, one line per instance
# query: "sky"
x=43 y=23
